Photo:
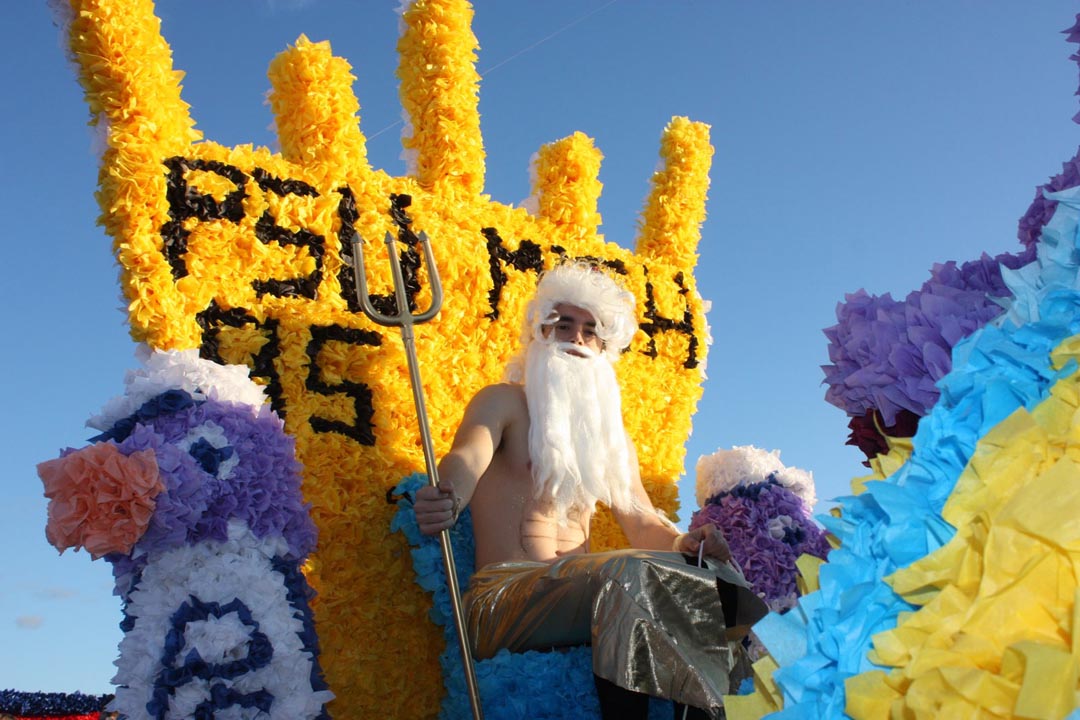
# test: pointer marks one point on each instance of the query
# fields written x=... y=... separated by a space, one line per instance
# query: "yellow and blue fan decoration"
x=954 y=591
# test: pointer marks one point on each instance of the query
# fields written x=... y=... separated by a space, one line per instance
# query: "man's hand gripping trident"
x=405 y=320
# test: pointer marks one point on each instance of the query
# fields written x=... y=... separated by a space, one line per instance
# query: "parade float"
x=952 y=589
x=244 y=256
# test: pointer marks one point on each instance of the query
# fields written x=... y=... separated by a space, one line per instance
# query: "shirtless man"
x=531 y=458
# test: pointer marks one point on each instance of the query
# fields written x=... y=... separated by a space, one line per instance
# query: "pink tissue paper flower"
x=100 y=499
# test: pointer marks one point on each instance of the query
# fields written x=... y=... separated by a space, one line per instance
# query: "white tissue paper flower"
x=725 y=470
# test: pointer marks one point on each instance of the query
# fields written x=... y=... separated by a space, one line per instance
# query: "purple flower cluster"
x=767 y=527
x=261 y=486
x=887 y=355
x=1041 y=210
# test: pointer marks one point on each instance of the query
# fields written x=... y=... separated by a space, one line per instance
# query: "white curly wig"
x=577 y=283
x=584 y=286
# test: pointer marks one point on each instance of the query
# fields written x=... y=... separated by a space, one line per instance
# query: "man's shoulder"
x=509 y=394
x=501 y=404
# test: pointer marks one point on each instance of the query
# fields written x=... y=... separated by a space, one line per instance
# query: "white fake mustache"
x=570 y=349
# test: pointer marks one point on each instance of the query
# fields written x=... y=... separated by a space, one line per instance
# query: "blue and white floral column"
x=192 y=492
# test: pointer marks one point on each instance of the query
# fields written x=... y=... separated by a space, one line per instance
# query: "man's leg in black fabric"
x=618 y=703
x=692 y=713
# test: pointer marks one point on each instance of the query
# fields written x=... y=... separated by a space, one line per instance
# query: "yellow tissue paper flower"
x=884 y=465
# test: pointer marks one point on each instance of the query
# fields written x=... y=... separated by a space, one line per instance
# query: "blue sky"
x=857 y=143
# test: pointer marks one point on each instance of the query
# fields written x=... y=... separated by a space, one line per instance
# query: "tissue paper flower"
x=763 y=509
x=768 y=528
x=99 y=498
x=724 y=470
x=888 y=355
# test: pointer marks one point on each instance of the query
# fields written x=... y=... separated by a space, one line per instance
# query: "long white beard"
x=577 y=442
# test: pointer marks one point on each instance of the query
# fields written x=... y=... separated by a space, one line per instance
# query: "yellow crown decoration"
x=245 y=254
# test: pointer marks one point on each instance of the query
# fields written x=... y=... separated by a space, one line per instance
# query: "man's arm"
x=647 y=529
x=460 y=470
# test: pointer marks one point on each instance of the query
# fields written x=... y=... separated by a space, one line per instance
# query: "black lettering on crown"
x=214 y=318
x=655 y=323
x=526 y=257
x=186 y=202
x=268 y=231
x=362 y=429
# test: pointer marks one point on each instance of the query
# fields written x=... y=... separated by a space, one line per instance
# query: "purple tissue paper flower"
x=253 y=475
x=767 y=528
x=1041 y=209
x=888 y=355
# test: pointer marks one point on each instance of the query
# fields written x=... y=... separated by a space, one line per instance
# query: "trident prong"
x=404 y=317
x=405 y=320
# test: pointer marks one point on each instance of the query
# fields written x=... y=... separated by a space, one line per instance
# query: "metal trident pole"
x=405 y=320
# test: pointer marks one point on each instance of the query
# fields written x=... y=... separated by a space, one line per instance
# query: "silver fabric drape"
x=656 y=623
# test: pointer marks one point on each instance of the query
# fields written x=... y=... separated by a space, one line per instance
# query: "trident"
x=405 y=320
